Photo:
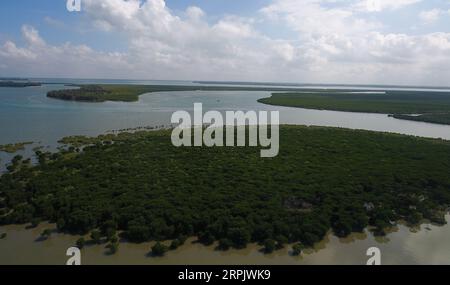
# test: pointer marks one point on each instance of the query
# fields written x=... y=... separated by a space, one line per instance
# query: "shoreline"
x=326 y=252
x=99 y=93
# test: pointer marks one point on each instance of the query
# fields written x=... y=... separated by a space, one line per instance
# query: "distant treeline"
x=432 y=106
x=89 y=93
x=18 y=84
x=438 y=118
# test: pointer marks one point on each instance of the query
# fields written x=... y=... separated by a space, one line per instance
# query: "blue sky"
x=326 y=41
x=15 y=13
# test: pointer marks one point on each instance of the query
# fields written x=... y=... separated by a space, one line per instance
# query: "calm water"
x=26 y=114
x=429 y=245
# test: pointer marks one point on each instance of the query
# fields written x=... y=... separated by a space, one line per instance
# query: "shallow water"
x=430 y=245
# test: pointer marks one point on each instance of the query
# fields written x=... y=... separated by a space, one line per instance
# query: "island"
x=13 y=148
x=425 y=106
x=19 y=84
x=139 y=187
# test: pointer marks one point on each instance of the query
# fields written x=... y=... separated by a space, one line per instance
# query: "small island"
x=425 y=106
x=13 y=148
x=140 y=186
x=19 y=84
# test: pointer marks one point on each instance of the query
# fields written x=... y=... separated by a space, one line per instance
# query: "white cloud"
x=38 y=58
x=312 y=17
x=431 y=16
x=331 y=42
x=11 y=51
x=31 y=35
x=380 y=5
x=195 y=13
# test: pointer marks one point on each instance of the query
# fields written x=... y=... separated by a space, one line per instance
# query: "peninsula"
x=426 y=106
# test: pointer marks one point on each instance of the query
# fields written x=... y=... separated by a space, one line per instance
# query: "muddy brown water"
x=428 y=245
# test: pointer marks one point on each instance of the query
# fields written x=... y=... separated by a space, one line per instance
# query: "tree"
x=309 y=239
x=109 y=229
x=113 y=247
x=240 y=237
x=138 y=231
x=224 y=244
x=206 y=238
x=269 y=246
x=96 y=236
x=60 y=224
x=182 y=239
x=281 y=241
x=159 y=249
x=80 y=222
x=113 y=239
x=342 y=224
x=81 y=243
x=174 y=244
x=160 y=230
x=297 y=249
x=46 y=233
x=414 y=218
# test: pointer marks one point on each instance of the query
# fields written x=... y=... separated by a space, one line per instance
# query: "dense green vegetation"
x=297 y=249
x=46 y=234
x=434 y=105
x=18 y=84
x=130 y=93
x=392 y=102
x=438 y=118
x=13 y=148
x=81 y=242
x=159 y=249
x=138 y=184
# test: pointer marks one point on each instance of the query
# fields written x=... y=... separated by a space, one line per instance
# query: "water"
x=429 y=245
x=26 y=114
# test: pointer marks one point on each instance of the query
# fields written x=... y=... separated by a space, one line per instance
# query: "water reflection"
x=428 y=246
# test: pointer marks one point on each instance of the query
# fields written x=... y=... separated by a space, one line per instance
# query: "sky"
x=403 y=42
